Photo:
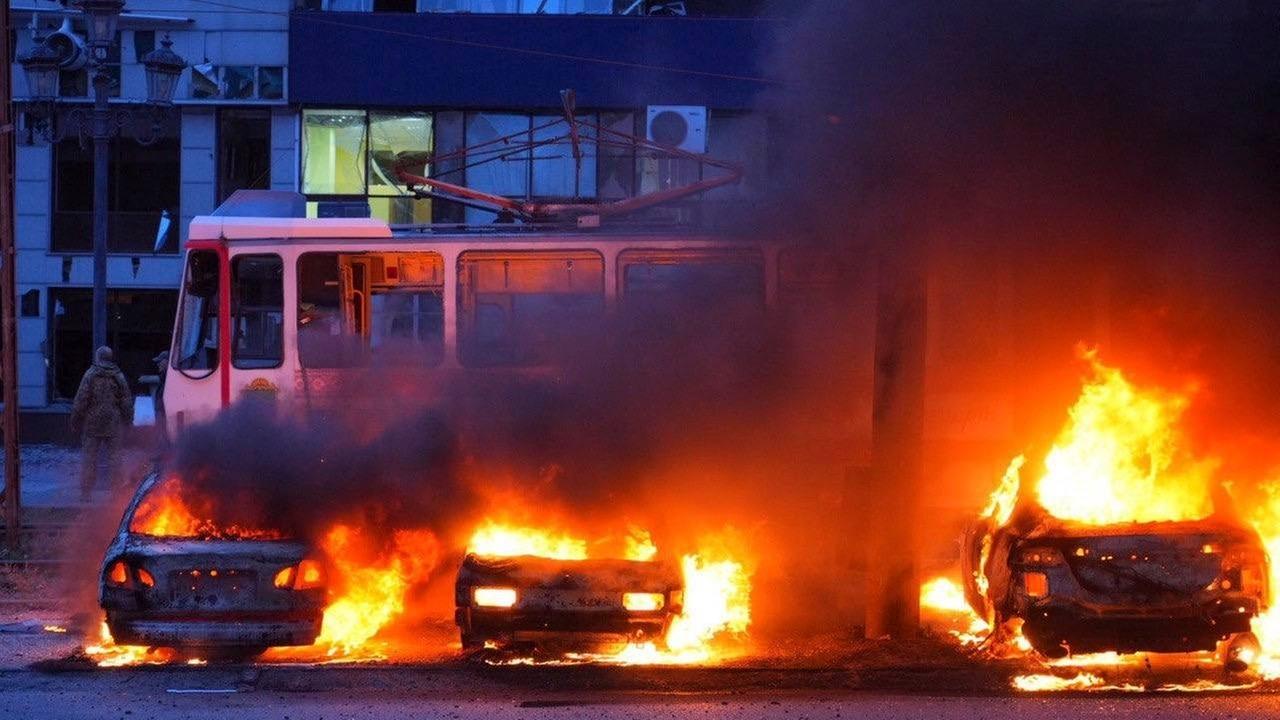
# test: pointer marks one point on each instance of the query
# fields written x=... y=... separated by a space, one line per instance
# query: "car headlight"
x=642 y=601
x=494 y=597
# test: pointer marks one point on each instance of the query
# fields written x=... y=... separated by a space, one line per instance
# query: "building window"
x=244 y=150
x=527 y=308
x=257 y=328
x=548 y=171
x=139 y=326
x=31 y=303
x=551 y=7
x=359 y=308
x=237 y=82
x=351 y=154
x=143 y=184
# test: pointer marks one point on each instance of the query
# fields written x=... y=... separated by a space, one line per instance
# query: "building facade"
x=231 y=128
x=320 y=96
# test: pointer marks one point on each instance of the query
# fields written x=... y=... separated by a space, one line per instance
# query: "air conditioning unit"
x=72 y=54
x=678 y=126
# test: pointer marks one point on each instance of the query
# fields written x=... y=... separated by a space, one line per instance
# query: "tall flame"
x=1267 y=626
x=494 y=538
x=1122 y=458
x=166 y=511
x=372 y=584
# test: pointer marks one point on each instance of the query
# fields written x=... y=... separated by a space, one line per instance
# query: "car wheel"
x=1239 y=652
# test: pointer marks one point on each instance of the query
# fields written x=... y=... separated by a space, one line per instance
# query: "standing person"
x=102 y=408
x=157 y=402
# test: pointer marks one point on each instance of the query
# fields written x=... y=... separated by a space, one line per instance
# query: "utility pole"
x=8 y=296
x=897 y=436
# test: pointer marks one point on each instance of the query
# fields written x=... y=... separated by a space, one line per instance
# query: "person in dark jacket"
x=103 y=408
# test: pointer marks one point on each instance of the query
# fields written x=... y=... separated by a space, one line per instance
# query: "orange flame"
x=1267 y=626
x=717 y=590
x=373 y=586
x=493 y=538
x=164 y=512
x=106 y=653
x=1122 y=458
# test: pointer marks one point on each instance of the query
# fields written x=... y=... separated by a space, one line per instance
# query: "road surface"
x=452 y=692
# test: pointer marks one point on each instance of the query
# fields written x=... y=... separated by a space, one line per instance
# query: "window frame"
x=175 y=232
x=222 y=114
x=465 y=328
x=713 y=255
x=235 y=309
x=438 y=350
x=221 y=98
x=532 y=118
x=180 y=318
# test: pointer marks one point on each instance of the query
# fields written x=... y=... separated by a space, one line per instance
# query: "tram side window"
x=257 y=331
x=195 y=349
x=665 y=288
x=523 y=309
x=361 y=308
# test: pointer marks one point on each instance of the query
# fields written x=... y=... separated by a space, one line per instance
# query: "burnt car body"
x=1180 y=586
x=535 y=603
x=214 y=595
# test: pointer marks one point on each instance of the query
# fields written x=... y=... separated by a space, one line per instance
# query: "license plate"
x=571 y=600
x=211 y=588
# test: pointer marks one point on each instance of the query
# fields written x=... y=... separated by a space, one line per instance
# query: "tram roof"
x=281 y=215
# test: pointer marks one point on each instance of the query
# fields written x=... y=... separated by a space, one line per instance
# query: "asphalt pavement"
x=170 y=694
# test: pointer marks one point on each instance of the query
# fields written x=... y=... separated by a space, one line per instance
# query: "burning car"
x=174 y=577
x=537 y=603
x=1176 y=586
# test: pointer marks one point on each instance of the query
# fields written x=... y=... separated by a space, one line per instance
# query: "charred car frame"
x=1178 y=586
x=214 y=595
x=534 y=603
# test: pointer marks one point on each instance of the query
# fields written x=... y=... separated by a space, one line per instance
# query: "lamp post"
x=101 y=122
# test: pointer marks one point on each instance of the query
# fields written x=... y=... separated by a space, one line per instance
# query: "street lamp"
x=101 y=122
x=103 y=17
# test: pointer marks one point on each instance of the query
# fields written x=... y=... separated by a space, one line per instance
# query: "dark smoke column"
x=897 y=436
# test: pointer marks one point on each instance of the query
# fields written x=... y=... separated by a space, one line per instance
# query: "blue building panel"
x=523 y=61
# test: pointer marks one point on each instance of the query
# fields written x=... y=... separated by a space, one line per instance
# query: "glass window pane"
x=674 y=287
x=495 y=168
x=271 y=83
x=238 y=82
x=617 y=164
x=73 y=83
x=527 y=308
x=333 y=149
x=204 y=81
x=555 y=173
x=144 y=41
x=401 y=210
x=389 y=136
x=360 y=308
x=195 y=344
x=257 y=330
